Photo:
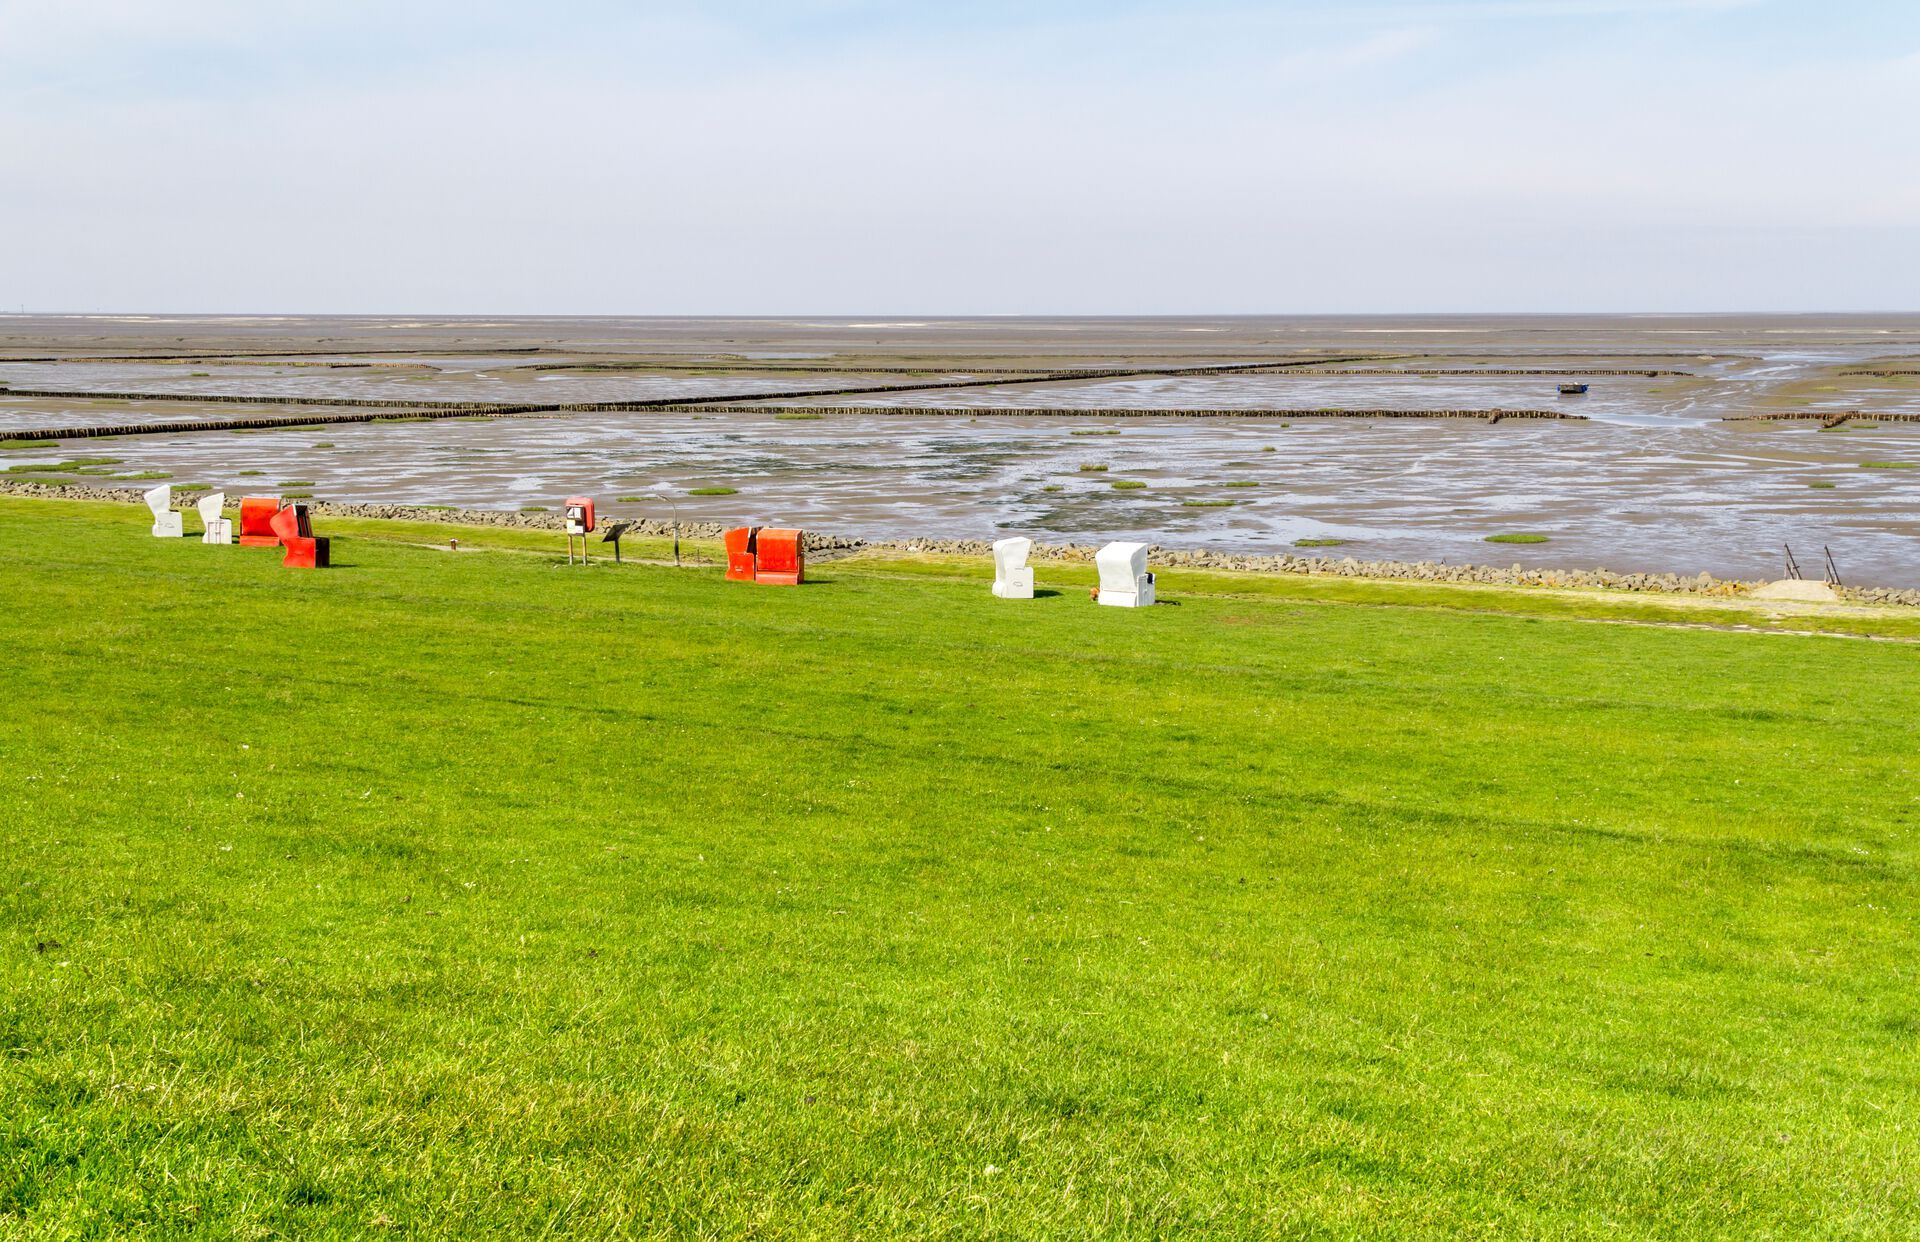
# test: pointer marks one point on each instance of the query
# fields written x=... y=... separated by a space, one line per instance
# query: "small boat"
x=1572 y=390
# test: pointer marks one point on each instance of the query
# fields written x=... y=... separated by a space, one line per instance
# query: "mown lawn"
x=456 y=895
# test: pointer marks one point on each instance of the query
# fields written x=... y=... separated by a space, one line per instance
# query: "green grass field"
x=454 y=895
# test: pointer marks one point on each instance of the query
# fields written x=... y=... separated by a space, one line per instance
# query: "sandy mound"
x=1800 y=590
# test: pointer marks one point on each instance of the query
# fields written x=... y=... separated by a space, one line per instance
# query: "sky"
x=882 y=156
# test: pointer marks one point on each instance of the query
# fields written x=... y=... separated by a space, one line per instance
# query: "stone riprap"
x=825 y=546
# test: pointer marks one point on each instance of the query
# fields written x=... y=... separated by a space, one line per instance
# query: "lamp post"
x=664 y=494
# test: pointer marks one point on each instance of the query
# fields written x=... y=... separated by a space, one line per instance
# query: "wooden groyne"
x=224 y=398
x=1060 y=411
x=1825 y=417
x=1468 y=372
x=1710 y=355
x=259 y=424
x=1040 y=374
x=797 y=411
x=269 y=355
x=836 y=369
x=328 y=364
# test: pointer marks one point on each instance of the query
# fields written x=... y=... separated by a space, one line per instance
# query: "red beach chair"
x=305 y=550
x=779 y=559
x=740 y=553
x=256 y=522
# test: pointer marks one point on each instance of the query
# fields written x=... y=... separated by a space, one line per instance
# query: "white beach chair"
x=219 y=529
x=1012 y=576
x=1124 y=580
x=166 y=523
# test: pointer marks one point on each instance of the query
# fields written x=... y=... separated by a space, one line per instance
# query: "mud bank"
x=829 y=546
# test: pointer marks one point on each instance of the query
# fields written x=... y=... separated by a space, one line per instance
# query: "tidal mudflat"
x=1653 y=477
x=1720 y=498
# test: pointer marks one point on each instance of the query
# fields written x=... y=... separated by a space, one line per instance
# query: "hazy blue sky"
x=858 y=156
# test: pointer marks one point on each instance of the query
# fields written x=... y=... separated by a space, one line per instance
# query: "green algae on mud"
x=72 y=465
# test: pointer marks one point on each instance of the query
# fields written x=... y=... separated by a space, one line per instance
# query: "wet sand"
x=1656 y=482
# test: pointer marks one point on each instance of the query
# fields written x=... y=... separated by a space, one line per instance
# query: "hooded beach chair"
x=166 y=523
x=256 y=521
x=1124 y=579
x=218 y=529
x=1012 y=576
x=305 y=550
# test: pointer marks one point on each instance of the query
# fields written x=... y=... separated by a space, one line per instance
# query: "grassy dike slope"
x=471 y=894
